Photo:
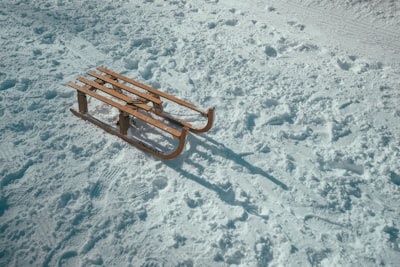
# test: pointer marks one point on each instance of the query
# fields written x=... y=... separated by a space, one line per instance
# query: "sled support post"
x=82 y=102
x=123 y=122
x=141 y=102
x=158 y=108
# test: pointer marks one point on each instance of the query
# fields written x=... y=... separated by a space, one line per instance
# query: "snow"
x=301 y=167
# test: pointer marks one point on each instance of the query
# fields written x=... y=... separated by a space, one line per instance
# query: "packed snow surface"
x=301 y=168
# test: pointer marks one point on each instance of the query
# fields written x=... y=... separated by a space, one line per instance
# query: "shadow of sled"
x=225 y=192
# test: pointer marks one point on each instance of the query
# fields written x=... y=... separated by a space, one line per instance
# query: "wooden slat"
x=127 y=109
x=142 y=106
x=125 y=87
x=113 y=93
x=152 y=90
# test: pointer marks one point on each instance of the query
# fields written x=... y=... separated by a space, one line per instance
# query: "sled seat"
x=159 y=94
x=153 y=90
x=129 y=109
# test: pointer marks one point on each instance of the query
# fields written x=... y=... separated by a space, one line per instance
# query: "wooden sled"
x=136 y=100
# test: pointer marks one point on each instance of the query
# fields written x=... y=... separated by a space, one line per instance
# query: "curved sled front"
x=113 y=131
x=210 y=120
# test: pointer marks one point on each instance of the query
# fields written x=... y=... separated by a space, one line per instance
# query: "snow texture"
x=302 y=166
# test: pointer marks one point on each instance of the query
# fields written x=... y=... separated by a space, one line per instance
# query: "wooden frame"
x=145 y=101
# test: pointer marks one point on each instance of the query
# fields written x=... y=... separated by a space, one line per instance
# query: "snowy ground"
x=302 y=166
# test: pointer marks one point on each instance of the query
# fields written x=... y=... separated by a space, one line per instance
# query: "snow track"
x=371 y=38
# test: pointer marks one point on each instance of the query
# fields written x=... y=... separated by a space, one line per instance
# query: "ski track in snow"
x=374 y=39
x=300 y=169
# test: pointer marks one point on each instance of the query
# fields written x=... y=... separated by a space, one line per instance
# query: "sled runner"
x=135 y=100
